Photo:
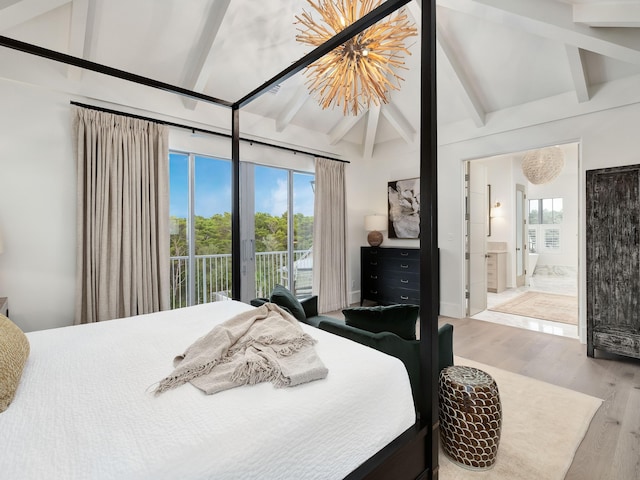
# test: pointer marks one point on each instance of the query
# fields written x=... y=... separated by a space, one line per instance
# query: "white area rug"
x=542 y=427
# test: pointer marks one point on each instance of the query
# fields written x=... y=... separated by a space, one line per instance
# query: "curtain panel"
x=329 y=236
x=122 y=216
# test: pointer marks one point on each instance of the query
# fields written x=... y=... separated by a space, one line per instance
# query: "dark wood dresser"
x=390 y=275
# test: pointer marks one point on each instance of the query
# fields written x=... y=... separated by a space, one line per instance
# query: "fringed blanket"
x=262 y=345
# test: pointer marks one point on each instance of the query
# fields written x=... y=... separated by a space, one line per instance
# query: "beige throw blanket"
x=262 y=345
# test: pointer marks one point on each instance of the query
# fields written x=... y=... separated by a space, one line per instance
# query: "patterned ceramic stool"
x=470 y=416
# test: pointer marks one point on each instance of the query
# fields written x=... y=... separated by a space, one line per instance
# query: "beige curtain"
x=329 y=236
x=122 y=216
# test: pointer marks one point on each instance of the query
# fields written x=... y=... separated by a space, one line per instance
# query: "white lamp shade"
x=375 y=223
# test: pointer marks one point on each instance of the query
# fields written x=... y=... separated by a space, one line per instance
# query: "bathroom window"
x=533 y=240
x=545 y=225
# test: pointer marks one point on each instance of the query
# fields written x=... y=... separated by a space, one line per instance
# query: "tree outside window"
x=544 y=232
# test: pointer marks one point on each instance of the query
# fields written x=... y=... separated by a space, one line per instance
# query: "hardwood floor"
x=611 y=447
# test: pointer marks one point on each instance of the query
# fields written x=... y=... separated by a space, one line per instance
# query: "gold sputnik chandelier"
x=364 y=68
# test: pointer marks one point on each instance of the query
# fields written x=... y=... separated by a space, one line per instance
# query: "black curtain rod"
x=202 y=130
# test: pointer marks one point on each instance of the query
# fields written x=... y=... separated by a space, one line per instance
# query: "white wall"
x=37 y=206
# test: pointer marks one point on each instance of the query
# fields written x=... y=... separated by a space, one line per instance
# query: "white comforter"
x=85 y=408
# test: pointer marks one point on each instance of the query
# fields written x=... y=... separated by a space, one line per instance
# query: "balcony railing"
x=212 y=276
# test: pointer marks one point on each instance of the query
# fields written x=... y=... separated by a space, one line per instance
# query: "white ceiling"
x=537 y=59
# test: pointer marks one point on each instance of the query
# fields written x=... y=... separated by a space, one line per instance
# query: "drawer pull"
x=375 y=292
x=373 y=263
x=404 y=266
x=404 y=297
x=404 y=254
x=404 y=281
x=375 y=277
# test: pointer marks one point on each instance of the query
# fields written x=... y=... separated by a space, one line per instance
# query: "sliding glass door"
x=283 y=229
x=276 y=218
x=200 y=213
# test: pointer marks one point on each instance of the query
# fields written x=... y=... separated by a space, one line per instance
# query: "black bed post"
x=235 y=206
x=429 y=257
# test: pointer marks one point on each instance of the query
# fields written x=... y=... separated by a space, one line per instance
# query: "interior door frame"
x=521 y=248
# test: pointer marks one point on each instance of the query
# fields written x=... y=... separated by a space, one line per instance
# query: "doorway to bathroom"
x=528 y=253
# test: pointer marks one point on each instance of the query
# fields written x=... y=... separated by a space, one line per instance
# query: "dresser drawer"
x=400 y=295
x=401 y=279
x=408 y=253
x=399 y=264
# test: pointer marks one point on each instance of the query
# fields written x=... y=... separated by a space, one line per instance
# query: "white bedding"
x=85 y=408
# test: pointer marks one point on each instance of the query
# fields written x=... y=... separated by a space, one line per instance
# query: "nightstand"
x=4 y=306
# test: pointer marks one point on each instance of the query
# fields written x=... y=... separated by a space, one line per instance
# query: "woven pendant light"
x=543 y=165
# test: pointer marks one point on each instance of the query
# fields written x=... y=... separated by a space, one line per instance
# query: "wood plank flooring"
x=611 y=447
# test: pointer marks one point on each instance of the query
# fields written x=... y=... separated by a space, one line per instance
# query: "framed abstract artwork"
x=404 y=208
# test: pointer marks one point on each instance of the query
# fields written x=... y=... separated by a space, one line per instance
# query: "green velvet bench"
x=408 y=351
x=389 y=329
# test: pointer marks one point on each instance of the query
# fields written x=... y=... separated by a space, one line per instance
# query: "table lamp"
x=374 y=224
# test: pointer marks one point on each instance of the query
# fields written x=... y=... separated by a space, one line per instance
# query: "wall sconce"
x=493 y=211
x=496 y=210
x=374 y=224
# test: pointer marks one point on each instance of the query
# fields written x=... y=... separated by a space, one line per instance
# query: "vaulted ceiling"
x=502 y=64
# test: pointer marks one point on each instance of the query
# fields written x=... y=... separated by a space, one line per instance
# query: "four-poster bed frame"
x=414 y=454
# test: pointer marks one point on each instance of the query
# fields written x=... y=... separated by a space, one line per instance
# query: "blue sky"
x=213 y=188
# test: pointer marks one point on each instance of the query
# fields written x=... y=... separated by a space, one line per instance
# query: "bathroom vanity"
x=496 y=271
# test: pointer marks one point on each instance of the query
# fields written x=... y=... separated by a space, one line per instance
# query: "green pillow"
x=284 y=298
x=398 y=319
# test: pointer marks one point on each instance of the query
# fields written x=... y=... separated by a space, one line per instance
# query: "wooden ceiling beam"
x=610 y=14
x=575 y=57
x=344 y=126
x=80 y=33
x=14 y=13
x=373 y=118
x=292 y=107
x=458 y=76
x=196 y=73
x=399 y=122
x=554 y=21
